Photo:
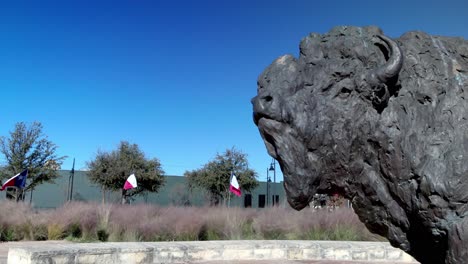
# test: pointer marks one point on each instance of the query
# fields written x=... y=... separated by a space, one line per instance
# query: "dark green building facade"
x=174 y=192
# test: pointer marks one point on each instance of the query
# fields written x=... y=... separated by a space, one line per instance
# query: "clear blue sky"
x=174 y=77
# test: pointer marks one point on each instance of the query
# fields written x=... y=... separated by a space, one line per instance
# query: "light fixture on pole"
x=273 y=168
x=267 y=188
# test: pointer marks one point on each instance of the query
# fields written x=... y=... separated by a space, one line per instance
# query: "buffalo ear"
x=377 y=85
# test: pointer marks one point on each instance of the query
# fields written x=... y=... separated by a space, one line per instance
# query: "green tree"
x=28 y=148
x=214 y=176
x=110 y=170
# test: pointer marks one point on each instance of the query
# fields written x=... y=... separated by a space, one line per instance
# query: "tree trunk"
x=124 y=196
x=30 y=198
x=19 y=195
x=103 y=192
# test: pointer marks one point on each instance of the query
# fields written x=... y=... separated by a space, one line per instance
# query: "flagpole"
x=72 y=177
x=229 y=196
x=68 y=188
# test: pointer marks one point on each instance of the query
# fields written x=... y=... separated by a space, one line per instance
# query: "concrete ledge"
x=199 y=251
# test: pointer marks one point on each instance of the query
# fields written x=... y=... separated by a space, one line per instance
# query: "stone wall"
x=199 y=251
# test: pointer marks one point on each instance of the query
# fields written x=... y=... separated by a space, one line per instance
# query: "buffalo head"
x=317 y=99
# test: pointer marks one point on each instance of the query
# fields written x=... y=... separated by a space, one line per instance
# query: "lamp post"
x=273 y=168
x=267 y=188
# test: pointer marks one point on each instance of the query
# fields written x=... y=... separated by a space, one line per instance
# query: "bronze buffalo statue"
x=382 y=121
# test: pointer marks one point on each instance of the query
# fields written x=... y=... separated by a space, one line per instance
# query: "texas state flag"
x=19 y=181
x=130 y=183
x=234 y=186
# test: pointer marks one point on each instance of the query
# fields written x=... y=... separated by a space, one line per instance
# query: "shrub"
x=102 y=235
x=142 y=222
x=75 y=230
x=7 y=234
x=56 y=232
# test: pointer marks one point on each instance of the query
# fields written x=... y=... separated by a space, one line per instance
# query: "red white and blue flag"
x=19 y=181
x=234 y=186
x=130 y=183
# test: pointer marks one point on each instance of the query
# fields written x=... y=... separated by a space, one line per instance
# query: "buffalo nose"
x=262 y=104
x=253 y=100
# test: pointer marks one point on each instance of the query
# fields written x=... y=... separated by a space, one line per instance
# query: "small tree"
x=110 y=170
x=214 y=177
x=28 y=148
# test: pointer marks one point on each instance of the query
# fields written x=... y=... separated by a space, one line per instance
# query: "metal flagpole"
x=229 y=195
x=72 y=176
x=68 y=187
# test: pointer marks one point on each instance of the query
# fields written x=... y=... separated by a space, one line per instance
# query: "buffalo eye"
x=268 y=98
x=344 y=92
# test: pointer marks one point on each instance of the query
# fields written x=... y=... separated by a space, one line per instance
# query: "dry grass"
x=112 y=222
